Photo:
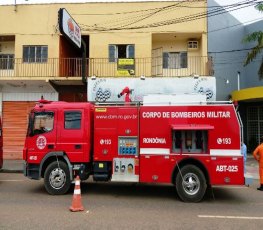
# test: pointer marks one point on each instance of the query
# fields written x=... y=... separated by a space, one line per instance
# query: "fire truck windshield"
x=40 y=122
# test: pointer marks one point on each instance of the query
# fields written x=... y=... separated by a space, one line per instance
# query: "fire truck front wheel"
x=190 y=184
x=57 y=178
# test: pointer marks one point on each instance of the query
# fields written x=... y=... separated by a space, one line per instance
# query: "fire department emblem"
x=70 y=27
x=41 y=142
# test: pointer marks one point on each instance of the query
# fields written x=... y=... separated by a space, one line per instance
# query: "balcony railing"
x=101 y=67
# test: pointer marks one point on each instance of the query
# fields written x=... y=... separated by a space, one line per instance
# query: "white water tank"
x=174 y=99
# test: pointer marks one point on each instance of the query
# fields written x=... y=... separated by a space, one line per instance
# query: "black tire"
x=57 y=178
x=190 y=184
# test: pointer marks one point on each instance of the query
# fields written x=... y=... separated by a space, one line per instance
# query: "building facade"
x=128 y=40
x=234 y=80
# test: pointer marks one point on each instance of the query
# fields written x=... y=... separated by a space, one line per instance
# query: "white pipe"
x=238 y=80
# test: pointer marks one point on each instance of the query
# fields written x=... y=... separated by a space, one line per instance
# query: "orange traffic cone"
x=76 y=201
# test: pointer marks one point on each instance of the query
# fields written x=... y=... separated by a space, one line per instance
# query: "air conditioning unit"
x=192 y=44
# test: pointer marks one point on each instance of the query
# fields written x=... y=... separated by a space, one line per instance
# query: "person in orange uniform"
x=258 y=155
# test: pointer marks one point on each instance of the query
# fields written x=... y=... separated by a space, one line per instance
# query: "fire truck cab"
x=191 y=146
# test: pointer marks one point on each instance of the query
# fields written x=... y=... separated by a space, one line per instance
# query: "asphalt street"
x=24 y=204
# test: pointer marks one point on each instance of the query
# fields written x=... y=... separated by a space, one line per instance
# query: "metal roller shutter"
x=15 y=119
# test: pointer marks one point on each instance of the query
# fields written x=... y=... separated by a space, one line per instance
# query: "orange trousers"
x=258 y=155
x=261 y=175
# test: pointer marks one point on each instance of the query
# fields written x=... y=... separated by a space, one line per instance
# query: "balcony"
x=101 y=67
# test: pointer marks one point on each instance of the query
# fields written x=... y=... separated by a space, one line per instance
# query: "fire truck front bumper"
x=32 y=171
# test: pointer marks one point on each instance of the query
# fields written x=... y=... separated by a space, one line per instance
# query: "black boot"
x=260 y=188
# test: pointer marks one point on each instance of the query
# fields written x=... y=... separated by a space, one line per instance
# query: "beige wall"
x=31 y=25
x=37 y=24
x=51 y=41
x=139 y=14
x=7 y=47
x=109 y=23
x=99 y=44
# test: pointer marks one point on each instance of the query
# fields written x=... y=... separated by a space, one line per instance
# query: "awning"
x=192 y=127
x=248 y=94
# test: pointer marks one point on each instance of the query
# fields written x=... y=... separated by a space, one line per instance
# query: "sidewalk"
x=16 y=166
x=252 y=168
x=12 y=166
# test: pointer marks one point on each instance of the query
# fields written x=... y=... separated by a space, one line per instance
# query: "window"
x=72 y=120
x=174 y=60
x=121 y=51
x=254 y=126
x=43 y=122
x=190 y=141
x=6 y=61
x=192 y=44
x=35 y=54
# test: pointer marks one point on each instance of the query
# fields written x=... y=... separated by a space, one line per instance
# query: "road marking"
x=11 y=180
x=232 y=217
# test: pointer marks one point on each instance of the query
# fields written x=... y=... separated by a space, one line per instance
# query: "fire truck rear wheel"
x=57 y=178
x=190 y=184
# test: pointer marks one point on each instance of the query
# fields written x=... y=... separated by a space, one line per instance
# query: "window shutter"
x=32 y=54
x=183 y=60
x=130 y=51
x=112 y=53
x=165 y=60
x=25 y=53
x=44 y=53
x=38 y=53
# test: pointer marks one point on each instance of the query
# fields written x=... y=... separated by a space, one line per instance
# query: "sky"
x=245 y=15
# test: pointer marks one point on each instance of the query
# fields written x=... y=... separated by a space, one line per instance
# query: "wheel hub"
x=191 y=183
x=57 y=178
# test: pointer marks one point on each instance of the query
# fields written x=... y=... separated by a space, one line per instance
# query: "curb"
x=11 y=171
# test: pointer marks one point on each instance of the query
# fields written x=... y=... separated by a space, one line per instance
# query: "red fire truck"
x=191 y=146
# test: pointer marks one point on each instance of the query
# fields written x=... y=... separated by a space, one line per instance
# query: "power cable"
x=137 y=17
x=229 y=51
x=137 y=11
x=238 y=24
x=150 y=15
x=159 y=9
x=198 y=16
x=180 y=20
